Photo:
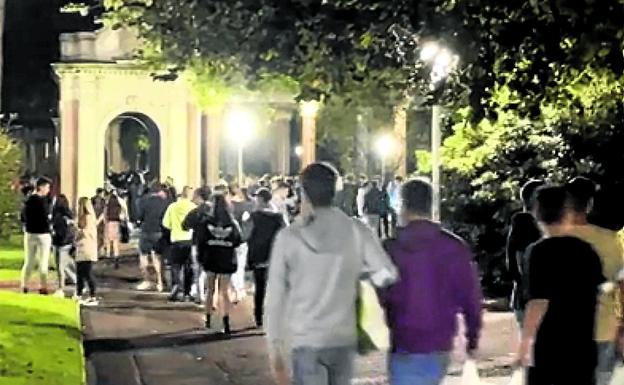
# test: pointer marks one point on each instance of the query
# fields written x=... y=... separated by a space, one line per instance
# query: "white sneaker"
x=59 y=293
x=160 y=288
x=145 y=285
x=91 y=301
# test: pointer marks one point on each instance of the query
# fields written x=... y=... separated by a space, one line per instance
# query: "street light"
x=241 y=125
x=442 y=61
x=299 y=150
x=384 y=146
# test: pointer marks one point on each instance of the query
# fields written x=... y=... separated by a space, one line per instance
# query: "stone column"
x=400 y=133
x=281 y=140
x=68 y=142
x=309 y=111
x=194 y=145
x=214 y=128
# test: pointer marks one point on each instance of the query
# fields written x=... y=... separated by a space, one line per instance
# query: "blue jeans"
x=323 y=366
x=418 y=369
x=607 y=359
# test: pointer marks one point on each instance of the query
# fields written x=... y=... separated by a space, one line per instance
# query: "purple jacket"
x=437 y=281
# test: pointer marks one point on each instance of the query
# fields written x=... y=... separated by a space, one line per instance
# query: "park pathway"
x=138 y=338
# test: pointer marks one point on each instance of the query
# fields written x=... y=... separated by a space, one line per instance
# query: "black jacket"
x=63 y=229
x=372 y=202
x=265 y=226
x=151 y=212
x=216 y=245
x=36 y=215
x=523 y=232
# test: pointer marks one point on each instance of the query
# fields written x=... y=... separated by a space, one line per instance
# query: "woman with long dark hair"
x=63 y=240
x=114 y=213
x=218 y=236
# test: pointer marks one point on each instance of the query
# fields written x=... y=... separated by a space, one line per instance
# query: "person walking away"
x=265 y=224
x=523 y=232
x=242 y=206
x=280 y=198
x=99 y=206
x=114 y=213
x=384 y=214
x=361 y=194
x=349 y=196
x=151 y=212
x=86 y=250
x=315 y=266
x=372 y=207
x=218 y=236
x=37 y=237
x=563 y=352
x=180 y=244
x=63 y=230
x=192 y=221
x=606 y=242
x=394 y=191
x=438 y=281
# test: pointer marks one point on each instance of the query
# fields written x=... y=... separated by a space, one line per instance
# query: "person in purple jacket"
x=437 y=281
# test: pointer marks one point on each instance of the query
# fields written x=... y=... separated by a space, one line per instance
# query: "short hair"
x=42 y=182
x=186 y=191
x=204 y=193
x=156 y=188
x=99 y=191
x=528 y=190
x=550 y=204
x=581 y=191
x=319 y=183
x=264 y=194
x=375 y=183
x=417 y=196
x=398 y=178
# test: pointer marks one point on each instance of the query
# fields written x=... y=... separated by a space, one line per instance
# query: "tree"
x=10 y=167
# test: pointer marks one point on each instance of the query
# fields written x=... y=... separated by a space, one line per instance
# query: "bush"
x=10 y=165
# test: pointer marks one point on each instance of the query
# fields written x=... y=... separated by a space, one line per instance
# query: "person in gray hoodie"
x=316 y=264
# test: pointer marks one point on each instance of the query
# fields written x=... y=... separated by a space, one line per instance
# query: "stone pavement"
x=138 y=338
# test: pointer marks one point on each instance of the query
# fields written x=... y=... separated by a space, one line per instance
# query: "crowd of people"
x=309 y=240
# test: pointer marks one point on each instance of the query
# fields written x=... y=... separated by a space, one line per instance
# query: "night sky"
x=31 y=44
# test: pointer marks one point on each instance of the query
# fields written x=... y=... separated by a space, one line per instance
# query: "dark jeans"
x=564 y=375
x=84 y=274
x=181 y=272
x=384 y=228
x=260 y=280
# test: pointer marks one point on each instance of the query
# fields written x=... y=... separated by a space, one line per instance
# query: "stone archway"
x=132 y=143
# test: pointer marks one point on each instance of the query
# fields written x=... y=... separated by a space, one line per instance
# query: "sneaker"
x=160 y=288
x=43 y=291
x=24 y=290
x=145 y=285
x=59 y=293
x=187 y=298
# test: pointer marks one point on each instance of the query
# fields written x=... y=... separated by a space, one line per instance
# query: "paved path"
x=137 y=338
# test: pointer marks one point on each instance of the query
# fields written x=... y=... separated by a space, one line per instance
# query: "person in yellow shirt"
x=180 y=253
x=604 y=238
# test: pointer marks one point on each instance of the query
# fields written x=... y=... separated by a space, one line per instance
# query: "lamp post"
x=241 y=124
x=442 y=61
x=384 y=146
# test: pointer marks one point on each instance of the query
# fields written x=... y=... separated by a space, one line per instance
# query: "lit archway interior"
x=132 y=144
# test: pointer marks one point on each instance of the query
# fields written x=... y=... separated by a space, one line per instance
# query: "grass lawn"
x=39 y=341
x=11 y=259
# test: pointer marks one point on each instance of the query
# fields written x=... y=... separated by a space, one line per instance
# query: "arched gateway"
x=105 y=97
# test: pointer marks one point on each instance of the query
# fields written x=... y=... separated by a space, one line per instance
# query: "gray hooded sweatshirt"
x=314 y=271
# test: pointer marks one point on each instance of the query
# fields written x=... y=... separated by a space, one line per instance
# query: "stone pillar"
x=309 y=111
x=400 y=133
x=194 y=145
x=281 y=140
x=214 y=128
x=68 y=143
